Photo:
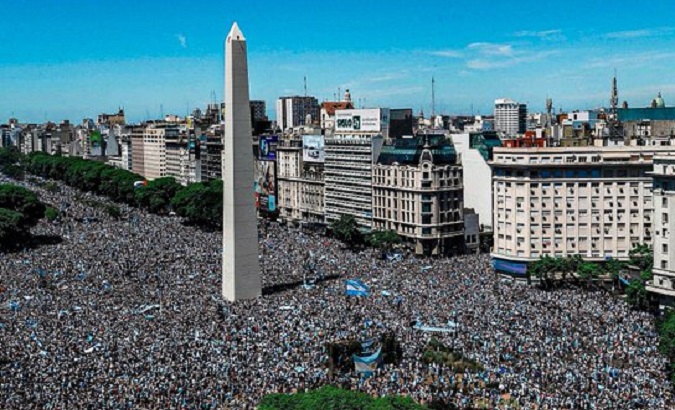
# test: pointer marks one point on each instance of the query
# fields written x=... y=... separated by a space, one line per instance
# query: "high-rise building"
x=663 y=283
x=596 y=202
x=418 y=192
x=258 y=110
x=510 y=116
x=350 y=153
x=294 y=111
x=241 y=267
x=148 y=149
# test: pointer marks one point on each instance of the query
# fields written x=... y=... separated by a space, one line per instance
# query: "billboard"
x=267 y=147
x=313 y=148
x=369 y=120
x=265 y=185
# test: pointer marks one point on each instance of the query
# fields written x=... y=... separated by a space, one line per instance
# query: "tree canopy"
x=333 y=398
x=20 y=210
x=346 y=229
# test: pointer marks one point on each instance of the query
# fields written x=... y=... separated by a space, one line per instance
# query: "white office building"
x=510 y=116
x=663 y=283
x=350 y=153
x=593 y=201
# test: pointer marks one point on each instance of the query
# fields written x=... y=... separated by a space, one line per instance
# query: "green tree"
x=642 y=256
x=588 y=272
x=666 y=328
x=333 y=398
x=384 y=240
x=613 y=267
x=201 y=203
x=156 y=196
x=12 y=227
x=21 y=200
x=346 y=230
x=51 y=214
x=636 y=292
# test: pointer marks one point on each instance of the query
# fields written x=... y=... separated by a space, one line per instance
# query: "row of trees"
x=552 y=271
x=200 y=203
x=347 y=230
x=20 y=210
x=333 y=398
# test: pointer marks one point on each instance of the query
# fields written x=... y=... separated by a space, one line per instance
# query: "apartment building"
x=149 y=150
x=182 y=156
x=592 y=201
x=350 y=153
x=300 y=179
x=510 y=116
x=663 y=283
x=418 y=192
x=293 y=111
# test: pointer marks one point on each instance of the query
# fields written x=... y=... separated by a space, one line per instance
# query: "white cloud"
x=540 y=34
x=523 y=57
x=182 y=40
x=492 y=49
x=630 y=34
x=630 y=60
x=447 y=53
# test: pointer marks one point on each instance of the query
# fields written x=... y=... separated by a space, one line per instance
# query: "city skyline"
x=144 y=56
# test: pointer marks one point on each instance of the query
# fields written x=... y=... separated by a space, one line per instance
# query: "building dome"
x=658 y=102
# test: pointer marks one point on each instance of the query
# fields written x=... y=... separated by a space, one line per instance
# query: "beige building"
x=592 y=201
x=300 y=183
x=663 y=284
x=418 y=192
x=149 y=150
x=182 y=156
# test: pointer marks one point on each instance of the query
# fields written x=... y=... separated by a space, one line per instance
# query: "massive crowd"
x=127 y=314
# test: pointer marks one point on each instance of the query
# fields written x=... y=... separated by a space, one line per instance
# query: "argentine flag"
x=356 y=288
x=367 y=364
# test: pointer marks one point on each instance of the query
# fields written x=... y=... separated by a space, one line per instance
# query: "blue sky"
x=76 y=58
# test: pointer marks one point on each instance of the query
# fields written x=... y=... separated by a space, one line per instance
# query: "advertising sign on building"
x=313 y=148
x=265 y=185
x=369 y=120
x=268 y=147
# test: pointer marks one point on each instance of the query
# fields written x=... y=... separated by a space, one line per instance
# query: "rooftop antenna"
x=305 y=83
x=213 y=97
x=161 y=111
x=433 y=97
x=339 y=94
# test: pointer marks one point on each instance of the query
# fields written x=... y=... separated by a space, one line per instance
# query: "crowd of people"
x=127 y=314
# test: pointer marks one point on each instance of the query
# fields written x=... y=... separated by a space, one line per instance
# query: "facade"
x=417 y=192
x=182 y=156
x=593 y=201
x=476 y=150
x=328 y=109
x=210 y=149
x=111 y=119
x=152 y=139
x=293 y=111
x=350 y=153
x=663 y=283
x=258 y=110
x=300 y=181
x=241 y=267
x=510 y=116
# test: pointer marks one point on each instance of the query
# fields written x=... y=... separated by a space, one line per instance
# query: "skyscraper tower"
x=241 y=268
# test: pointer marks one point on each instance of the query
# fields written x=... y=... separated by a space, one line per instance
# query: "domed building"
x=418 y=192
x=658 y=102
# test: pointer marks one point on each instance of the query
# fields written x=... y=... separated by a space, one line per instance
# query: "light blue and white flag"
x=356 y=288
x=367 y=364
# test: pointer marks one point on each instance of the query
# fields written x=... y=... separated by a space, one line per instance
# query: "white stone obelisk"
x=241 y=268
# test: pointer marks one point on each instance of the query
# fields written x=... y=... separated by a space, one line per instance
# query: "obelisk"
x=241 y=268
